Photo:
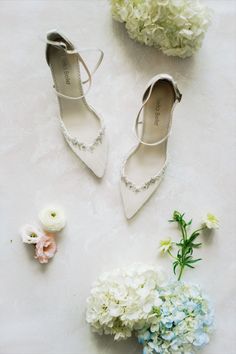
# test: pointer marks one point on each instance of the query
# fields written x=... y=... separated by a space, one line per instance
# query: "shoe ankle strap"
x=146 y=97
x=63 y=45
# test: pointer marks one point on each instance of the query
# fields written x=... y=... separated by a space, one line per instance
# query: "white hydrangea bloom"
x=52 y=218
x=121 y=301
x=177 y=27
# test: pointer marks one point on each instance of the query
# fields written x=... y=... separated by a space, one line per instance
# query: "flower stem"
x=181 y=272
x=183 y=230
x=201 y=229
x=170 y=254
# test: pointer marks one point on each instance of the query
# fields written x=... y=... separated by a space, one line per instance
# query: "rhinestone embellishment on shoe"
x=81 y=146
x=137 y=189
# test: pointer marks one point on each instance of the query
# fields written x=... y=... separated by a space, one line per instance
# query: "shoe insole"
x=79 y=119
x=147 y=161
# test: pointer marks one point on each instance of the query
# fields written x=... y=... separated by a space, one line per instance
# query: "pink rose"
x=45 y=248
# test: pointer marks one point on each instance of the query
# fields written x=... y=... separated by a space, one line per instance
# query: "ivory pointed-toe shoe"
x=145 y=166
x=81 y=126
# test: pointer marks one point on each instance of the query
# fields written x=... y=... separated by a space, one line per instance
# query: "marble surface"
x=43 y=307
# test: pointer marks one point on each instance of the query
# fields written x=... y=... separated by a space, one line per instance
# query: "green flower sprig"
x=184 y=257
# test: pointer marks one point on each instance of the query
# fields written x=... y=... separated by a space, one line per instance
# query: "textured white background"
x=42 y=308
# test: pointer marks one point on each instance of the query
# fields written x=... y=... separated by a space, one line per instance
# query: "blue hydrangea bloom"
x=182 y=323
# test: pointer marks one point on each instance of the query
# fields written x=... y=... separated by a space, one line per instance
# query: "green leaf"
x=193 y=236
x=195 y=260
x=196 y=245
x=188 y=258
x=189 y=251
x=188 y=265
x=175 y=265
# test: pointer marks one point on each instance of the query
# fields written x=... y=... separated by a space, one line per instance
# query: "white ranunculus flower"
x=177 y=27
x=52 y=218
x=30 y=234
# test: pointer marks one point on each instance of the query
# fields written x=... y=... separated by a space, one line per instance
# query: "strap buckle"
x=178 y=93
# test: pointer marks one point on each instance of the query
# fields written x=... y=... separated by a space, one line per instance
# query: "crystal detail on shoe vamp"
x=82 y=146
x=137 y=189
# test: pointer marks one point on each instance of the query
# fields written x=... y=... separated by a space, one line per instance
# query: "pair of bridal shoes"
x=84 y=130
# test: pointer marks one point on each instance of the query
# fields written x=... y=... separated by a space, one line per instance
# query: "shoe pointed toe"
x=95 y=160
x=98 y=163
x=133 y=201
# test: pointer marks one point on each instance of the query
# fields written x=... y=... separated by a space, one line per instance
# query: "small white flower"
x=211 y=221
x=30 y=234
x=165 y=245
x=52 y=218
